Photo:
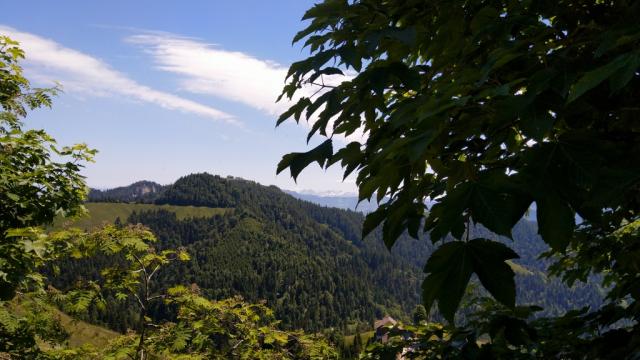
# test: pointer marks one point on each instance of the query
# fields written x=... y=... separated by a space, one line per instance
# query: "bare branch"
x=140 y=301
x=153 y=272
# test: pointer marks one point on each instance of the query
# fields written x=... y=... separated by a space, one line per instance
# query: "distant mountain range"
x=141 y=191
x=146 y=191
x=348 y=202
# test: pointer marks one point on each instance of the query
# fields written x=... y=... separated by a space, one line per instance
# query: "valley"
x=306 y=261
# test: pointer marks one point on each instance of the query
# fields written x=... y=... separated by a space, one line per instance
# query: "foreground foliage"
x=38 y=180
x=202 y=329
x=35 y=188
x=484 y=108
x=232 y=328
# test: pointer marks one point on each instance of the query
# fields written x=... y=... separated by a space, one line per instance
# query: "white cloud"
x=83 y=74
x=207 y=69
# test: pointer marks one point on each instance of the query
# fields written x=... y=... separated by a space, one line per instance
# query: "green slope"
x=106 y=213
x=348 y=339
x=82 y=332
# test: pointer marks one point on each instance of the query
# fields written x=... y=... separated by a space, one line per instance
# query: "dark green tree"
x=131 y=275
x=34 y=188
x=482 y=109
x=358 y=345
x=420 y=314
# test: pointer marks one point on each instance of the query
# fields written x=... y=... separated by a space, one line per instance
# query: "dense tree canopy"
x=38 y=180
x=34 y=188
x=484 y=108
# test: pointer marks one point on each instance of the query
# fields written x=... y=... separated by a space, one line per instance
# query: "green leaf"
x=349 y=157
x=612 y=186
x=413 y=226
x=593 y=78
x=183 y=256
x=496 y=203
x=317 y=103
x=306 y=32
x=626 y=72
x=494 y=273
x=446 y=216
x=37 y=247
x=332 y=107
x=536 y=122
x=556 y=221
x=486 y=16
x=449 y=269
x=350 y=57
x=325 y=71
x=295 y=110
x=394 y=226
x=296 y=162
x=373 y=219
x=408 y=76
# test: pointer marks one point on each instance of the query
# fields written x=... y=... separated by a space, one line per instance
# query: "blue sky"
x=166 y=88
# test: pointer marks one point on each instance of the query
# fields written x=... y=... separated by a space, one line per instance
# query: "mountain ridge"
x=147 y=190
x=142 y=191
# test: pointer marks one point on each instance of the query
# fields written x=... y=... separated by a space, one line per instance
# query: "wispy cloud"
x=208 y=69
x=86 y=75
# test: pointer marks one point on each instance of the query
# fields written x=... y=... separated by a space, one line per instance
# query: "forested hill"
x=307 y=261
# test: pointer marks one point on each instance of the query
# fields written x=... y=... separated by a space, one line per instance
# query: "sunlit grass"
x=106 y=213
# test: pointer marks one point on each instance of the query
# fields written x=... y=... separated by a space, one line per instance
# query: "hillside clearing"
x=107 y=213
x=81 y=332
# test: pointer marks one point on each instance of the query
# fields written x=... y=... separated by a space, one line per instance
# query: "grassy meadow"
x=106 y=213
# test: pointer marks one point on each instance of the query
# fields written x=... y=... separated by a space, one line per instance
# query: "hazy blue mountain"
x=348 y=202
